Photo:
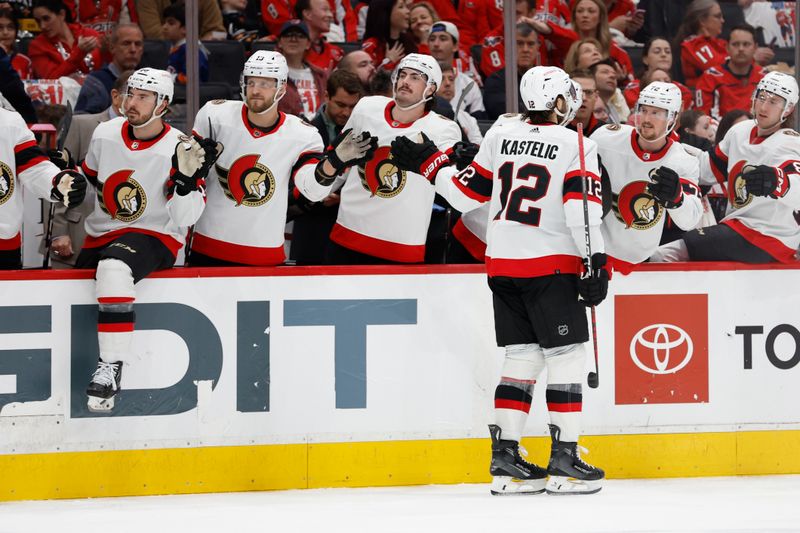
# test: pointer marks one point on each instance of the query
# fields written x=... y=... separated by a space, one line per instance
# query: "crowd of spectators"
x=341 y=50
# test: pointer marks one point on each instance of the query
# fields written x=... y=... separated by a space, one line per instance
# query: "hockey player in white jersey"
x=650 y=175
x=385 y=211
x=248 y=189
x=528 y=170
x=758 y=162
x=149 y=181
x=23 y=164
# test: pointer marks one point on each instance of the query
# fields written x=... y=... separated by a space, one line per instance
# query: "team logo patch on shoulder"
x=121 y=197
x=635 y=207
x=737 y=191
x=218 y=101
x=380 y=175
x=791 y=133
x=613 y=127
x=247 y=182
x=6 y=183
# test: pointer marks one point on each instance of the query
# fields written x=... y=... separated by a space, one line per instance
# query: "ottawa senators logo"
x=6 y=183
x=121 y=197
x=247 y=182
x=636 y=208
x=737 y=191
x=381 y=176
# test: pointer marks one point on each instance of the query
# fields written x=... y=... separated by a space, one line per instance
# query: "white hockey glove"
x=350 y=149
x=69 y=187
x=188 y=158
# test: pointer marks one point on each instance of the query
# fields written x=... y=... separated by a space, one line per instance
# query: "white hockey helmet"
x=424 y=64
x=574 y=102
x=662 y=95
x=782 y=85
x=153 y=80
x=265 y=64
x=540 y=88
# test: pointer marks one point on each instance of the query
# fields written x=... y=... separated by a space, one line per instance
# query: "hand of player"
x=69 y=187
x=593 y=285
x=62 y=246
x=761 y=180
x=350 y=149
x=61 y=158
x=211 y=152
x=464 y=153
x=423 y=158
x=665 y=186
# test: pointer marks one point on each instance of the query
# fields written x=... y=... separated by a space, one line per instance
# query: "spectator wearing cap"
x=306 y=84
x=174 y=30
x=127 y=47
x=359 y=63
x=731 y=85
x=387 y=38
x=605 y=76
x=318 y=16
x=494 y=89
x=443 y=43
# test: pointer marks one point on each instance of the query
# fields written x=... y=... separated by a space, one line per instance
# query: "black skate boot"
x=569 y=474
x=104 y=386
x=511 y=473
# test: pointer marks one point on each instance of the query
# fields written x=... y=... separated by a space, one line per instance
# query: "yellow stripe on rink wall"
x=365 y=464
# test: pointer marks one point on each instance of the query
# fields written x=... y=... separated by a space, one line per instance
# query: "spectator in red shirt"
x=62 y=48
x=589 y=19
x=421 y=17
x=386 y=36
x=730 y=86
x=623 y=16
x=318 y=16
x=699 y=41
x=656 y=55
x=469 y=16
x=8 y=37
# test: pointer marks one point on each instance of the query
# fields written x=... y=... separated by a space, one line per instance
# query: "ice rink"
x=739 y=504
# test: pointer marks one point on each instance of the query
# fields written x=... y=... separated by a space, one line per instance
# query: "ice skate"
x=511 y=473
x=569 y=474
x=104 y=386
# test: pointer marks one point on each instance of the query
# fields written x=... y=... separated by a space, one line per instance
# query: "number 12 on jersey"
x=520 y=192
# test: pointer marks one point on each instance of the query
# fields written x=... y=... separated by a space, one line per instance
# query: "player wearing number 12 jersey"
x=529 y=171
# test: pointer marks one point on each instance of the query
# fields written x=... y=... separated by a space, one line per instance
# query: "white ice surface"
x=736 y=504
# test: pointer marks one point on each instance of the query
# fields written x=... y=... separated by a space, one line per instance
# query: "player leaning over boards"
x=758 y=161
x=650 y=175
x=248 y=188
x=385 y=211
x=529 y=171
x=149 y=180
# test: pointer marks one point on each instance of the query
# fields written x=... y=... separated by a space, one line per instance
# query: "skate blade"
x=563 y=486
x=100 y=405
x=509 y=486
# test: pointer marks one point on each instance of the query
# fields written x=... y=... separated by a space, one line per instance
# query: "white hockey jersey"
x=21 y=163
x=530 y=175
x=632 y=230
x=765 y=222
x=384 y=211
x=132 y=179
x=248 y=188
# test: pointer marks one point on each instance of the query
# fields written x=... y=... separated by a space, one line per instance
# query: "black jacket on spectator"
x=494 y=94
x=13 y=90
x=95 y=95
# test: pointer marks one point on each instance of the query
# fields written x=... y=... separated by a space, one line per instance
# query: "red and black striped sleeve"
x=475 y=182
x=573 y=190
x=719 y=164
x=306 y=158
x=28 y=154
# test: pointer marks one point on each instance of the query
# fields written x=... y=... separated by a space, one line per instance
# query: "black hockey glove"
x=665 y=187
x=464 y=153
x=349 y=149
x=762 y=180
x=69 y=187
x=61 y=158
x=212 y=150
x=423 y=158
x=593 y=288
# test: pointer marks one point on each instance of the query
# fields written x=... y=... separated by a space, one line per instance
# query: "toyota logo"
x=651 y=351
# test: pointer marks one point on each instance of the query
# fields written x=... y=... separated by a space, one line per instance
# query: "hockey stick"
x=63 y=129
x=594 y=377
x=190 y=234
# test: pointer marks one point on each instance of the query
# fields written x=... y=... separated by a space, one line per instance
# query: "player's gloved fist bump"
x=593 y=288
x=464 y=153
x=761 y=180
x=69 y=187
x=350 y=149
x=423 y=158
x=61 y=158
x=665 y=186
